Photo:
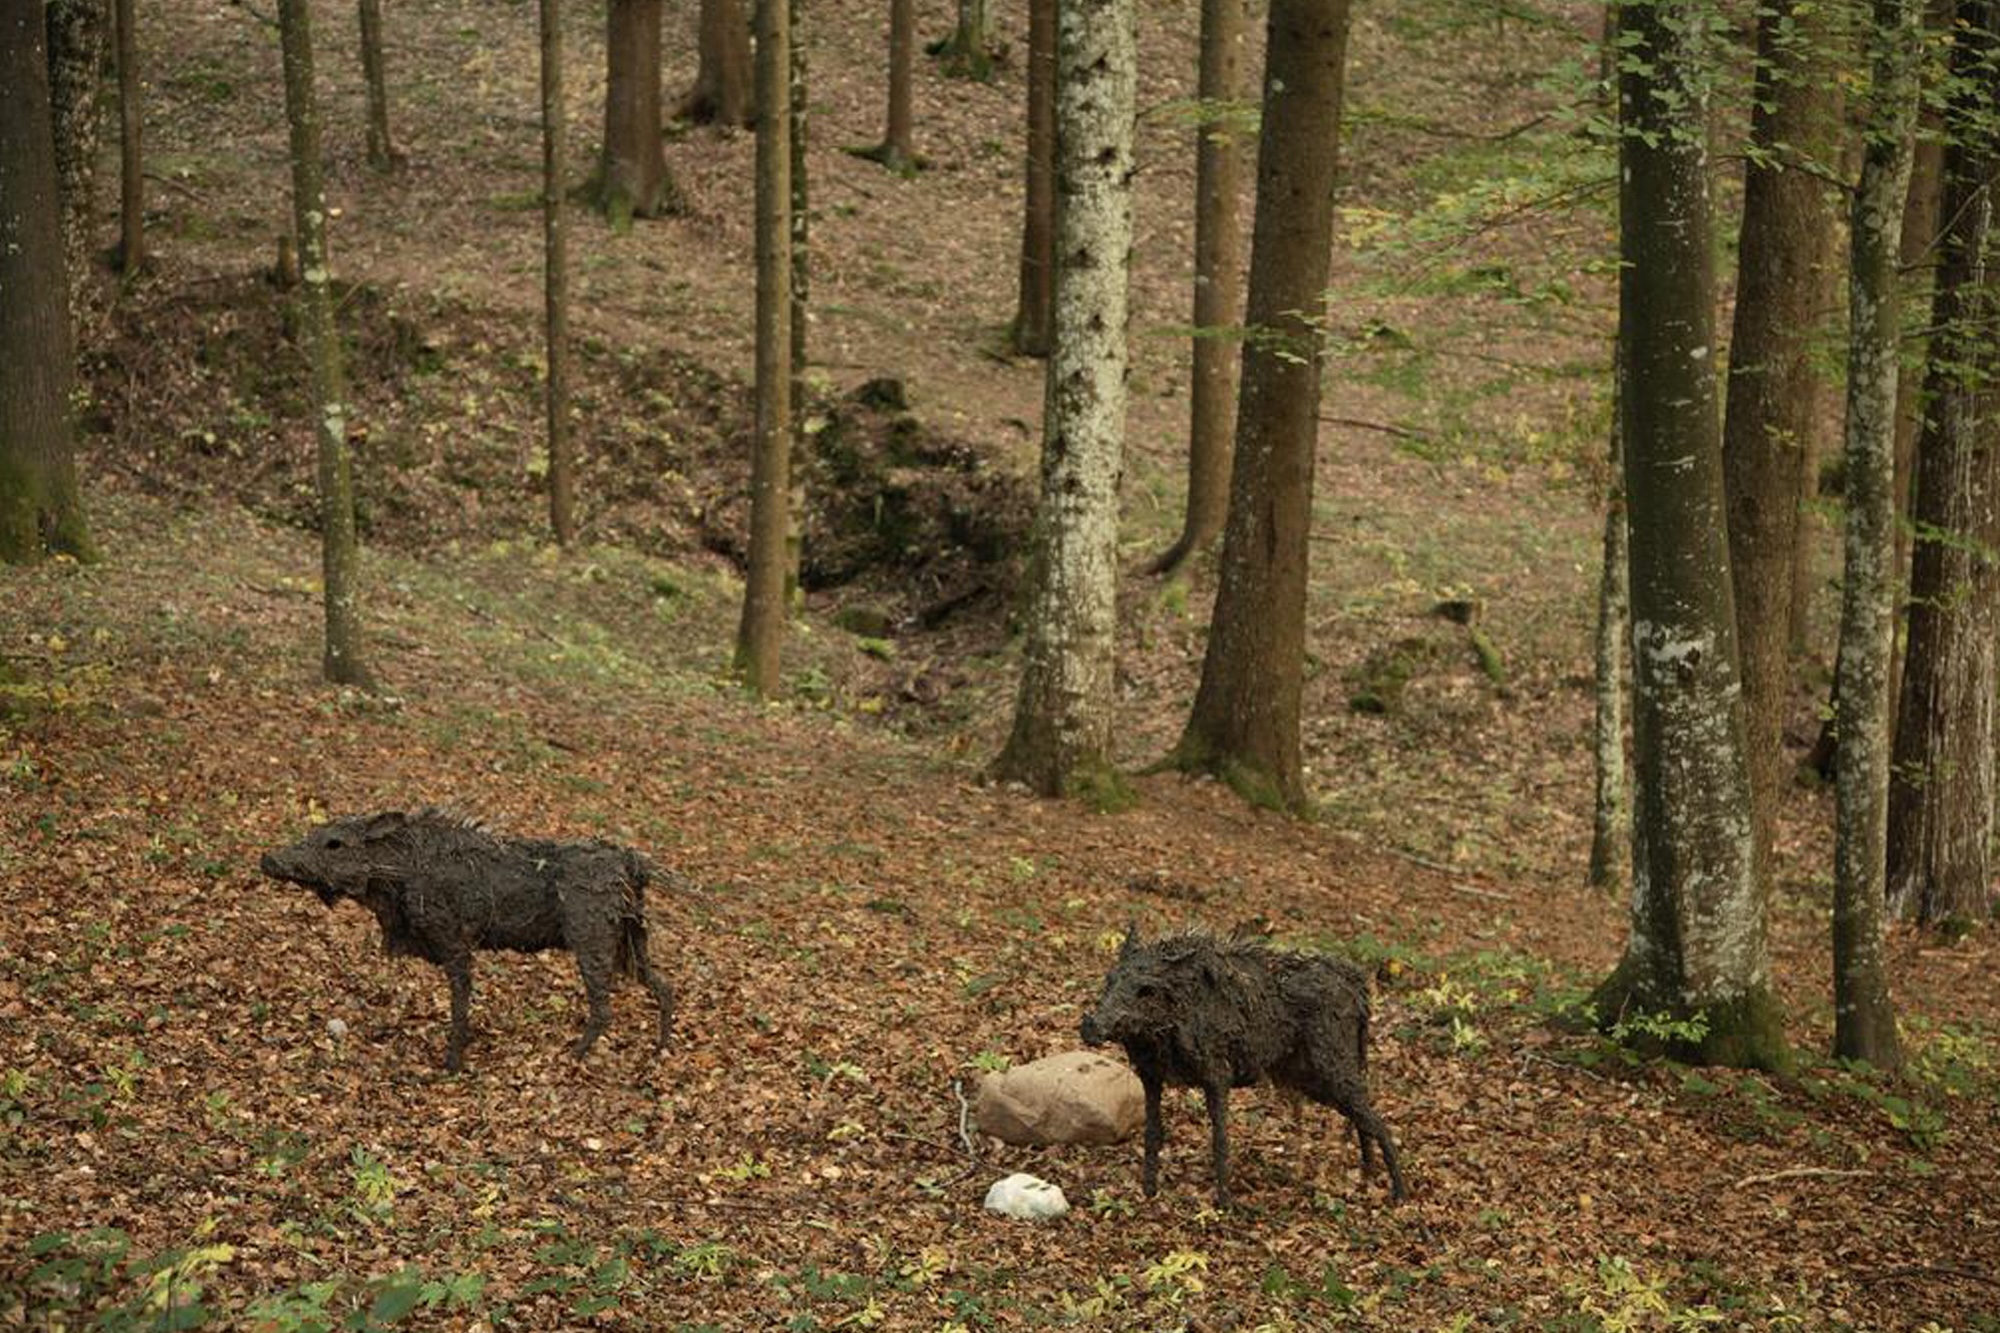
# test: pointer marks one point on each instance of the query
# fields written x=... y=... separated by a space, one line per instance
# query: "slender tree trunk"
x=722 y=91
x=1611 y=830
x=1774 y=391
x=1034 y=319
x=343 y=663
x=1061 y=741
x=969 y=52
x=897 y=151
x=632 y=176
x=41 y=511
x=1244 y=725
x=760 y=637
x=79 y=35
x=1698 y=930
x=555 y=275
x=132 y=184
x=383 y=154
x=800 y=293
x=1218 y=282
x=1864 y=1019
x=1941 y=786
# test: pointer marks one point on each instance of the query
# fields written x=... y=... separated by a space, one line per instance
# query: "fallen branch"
x=1928 y=1270
x=1799 y=1173
x=964 y=1117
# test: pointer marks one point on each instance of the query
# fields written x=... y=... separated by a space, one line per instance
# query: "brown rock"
x=1075 y=1097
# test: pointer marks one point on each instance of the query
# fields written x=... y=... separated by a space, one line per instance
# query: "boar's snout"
x=272 y=867
x=1092 y=1034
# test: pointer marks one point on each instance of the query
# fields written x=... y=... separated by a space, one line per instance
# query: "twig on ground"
x=1799 y=1173
x=1927 y=1270
x=964 y=1117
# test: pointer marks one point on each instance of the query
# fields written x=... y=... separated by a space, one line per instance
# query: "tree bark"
x=722 y=92
x=760 y=636
x=79 y=36
x=383 y=154
x=1061 y=739
x=1773 y=390
x=562 y=517
x=897 y=151
x=1244 y=725
x=1218 y=282
x=339 y=555
x=1698 y=944
x=969 y=51
x=41 y=511
x=132 y=184
x=801 y=290
x=1033 y=320
x=1941 y=788
x=1610 y=838
x=1864 y=1018
x=632 y=175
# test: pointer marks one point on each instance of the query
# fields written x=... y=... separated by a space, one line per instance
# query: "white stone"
x=1027 y=1197
x=336 y=1028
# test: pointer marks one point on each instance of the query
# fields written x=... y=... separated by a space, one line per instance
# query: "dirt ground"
x=216 y=1094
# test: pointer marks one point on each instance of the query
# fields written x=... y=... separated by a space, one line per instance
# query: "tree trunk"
x=801 y=255
x=1941 y=788
x=1864 y=1019
x=1773 y=390
x=555 y=275
x=722 y=93
x=1610 y=837
x=1698 y=929
x=760 y=636
x=343 y=663
x=41 y=512
x=632 y=176
x=969 y=52
x=1061 y=740
x=383 y=154
x=897 y=151
x=1033 y=321
x=1244 y=725
x=132 y=185
x=79 y=35
x=1218 y=281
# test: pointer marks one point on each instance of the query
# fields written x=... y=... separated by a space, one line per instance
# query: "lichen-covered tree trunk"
x=1033 y=318
x=632 y=173
x=1773 y=389
x=1941 y=787
x=760 y=635
x=1864 y=1019
x=555 y=271
x=1245 y=722
x=383 y=154
x=898 y=151
x=131 y=176
x=722 y=92
x=1218 y=281
x=41 y=512
x=343 y=663
x=1061 y=739
x=79 y=35
x=801 y=291
x=1611 y=830
x=1698 y=930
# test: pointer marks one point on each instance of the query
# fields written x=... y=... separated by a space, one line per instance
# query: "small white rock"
x=1027 y=1197
x=336 y=1028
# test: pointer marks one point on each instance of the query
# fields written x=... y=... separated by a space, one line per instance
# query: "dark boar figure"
x=442 y=887
x=1195 y=1011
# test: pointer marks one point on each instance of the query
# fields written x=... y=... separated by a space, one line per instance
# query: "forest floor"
x=869 y=927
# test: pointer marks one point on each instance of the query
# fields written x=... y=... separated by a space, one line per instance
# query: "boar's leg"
x=1156 y=1134
x=458 y=969
x=663 y=994
x=597 y=989
x=1217 y=1095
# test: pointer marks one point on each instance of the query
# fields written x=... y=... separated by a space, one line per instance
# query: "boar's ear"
x=1130 y=945
x=382 y=825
